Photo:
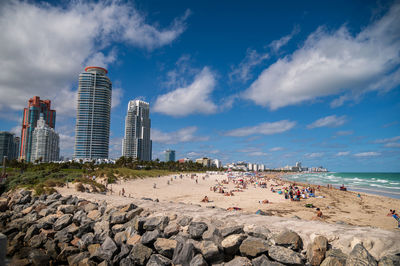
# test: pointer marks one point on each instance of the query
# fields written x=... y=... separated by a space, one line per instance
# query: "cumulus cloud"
x=186 y=134
x=44 y=47
x=328 y=121
x=276 y=149
x=343 y=153
x=314 y=155
x=194 y=98
x=262 y=129
x=367 y=154
x=243 y=72
x=334 y=63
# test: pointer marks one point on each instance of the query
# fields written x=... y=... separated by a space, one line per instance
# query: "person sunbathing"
x=265 y=201
x=205 y=199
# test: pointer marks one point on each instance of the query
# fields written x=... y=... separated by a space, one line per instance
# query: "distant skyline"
x=263 y=82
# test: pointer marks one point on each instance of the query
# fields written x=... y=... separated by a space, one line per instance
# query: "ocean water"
x=385 y=184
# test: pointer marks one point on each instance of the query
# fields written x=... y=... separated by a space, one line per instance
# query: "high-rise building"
x=92 y=131
x=217 y=163
x=170 y=156
x=35 y=109
x=9 y=145
x=137 y=143
x=44 y=143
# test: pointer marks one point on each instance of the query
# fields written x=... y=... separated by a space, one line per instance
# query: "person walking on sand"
x=395 y=216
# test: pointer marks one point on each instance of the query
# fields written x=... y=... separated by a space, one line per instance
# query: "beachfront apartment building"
x=9 y=145
x=45 y=143
x=136 y=142
x=92 y=130
x=206 y=162
x=170 y=156
x=36 y=108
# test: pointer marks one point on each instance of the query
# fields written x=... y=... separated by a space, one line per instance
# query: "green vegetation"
x=44 y=177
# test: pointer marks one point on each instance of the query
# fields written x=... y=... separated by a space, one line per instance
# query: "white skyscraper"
x=44 y=143
x=137 y=143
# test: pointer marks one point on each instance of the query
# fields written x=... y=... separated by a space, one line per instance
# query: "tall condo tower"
x=45 y=143
x=32 y=113
x=92 y=131
x=137 y=143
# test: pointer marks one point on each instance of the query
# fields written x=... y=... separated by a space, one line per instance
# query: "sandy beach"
x=336 y=206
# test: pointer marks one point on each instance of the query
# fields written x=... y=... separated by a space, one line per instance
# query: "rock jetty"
x=67 y=230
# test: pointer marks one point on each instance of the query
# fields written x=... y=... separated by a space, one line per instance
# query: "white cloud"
x=392 y=145
x=367 y=154
x=343 y=153
x=117 y=94
x=276 y=149
x=44 y=47
x=277 y=44
x=195 y=98
x=387 y=140
x=186 y=134
x=328 y=121
x=243 y=71
x=115 y=150
x=257 y=153
x=334 y=63
x=263 y=129
x=314 y=155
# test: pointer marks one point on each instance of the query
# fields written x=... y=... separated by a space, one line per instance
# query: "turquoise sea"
x=385 y=184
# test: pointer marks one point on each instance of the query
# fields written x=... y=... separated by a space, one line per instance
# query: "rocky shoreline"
x=67 y=230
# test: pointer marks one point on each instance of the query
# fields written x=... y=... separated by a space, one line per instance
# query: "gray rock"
x=165 y=247
x=140 y=254
x=316 y=250
x=78 y=216
x=46 y=212
x=126 y=262
x=62 y=222
x=239 y=261
x=51 y=249
x=37 y=241
x=158 y=260
x=125 y=250
x=360 y=256
x=198 y=260
x=129 y=207
x=67 y=209
x=252 y=247
x=25 y=199
x=196 y=229
x=185 y=220
x=54 y=196
x=183 y=254
x=171 y=229
x=66 y=252
x=213 y=234
x=63 y=236
x=118 y=217
x=86 y=240
x=390 y=260
x=32 y=230
x=38 y=257
x=153 y=223
x=264 y=261
x=101 y=230
x=210 y=252
x=120 y=238
x=257 y=231
x=232 y=243
x=284 y=255
x=230 y=230
x=76 y=258
x=133 y=213
x=90 y=206
x=289 y=239
x=116 y=228
x=150 y=237
x=107 y=249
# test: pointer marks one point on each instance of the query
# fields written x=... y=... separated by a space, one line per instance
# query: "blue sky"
x=263 y=82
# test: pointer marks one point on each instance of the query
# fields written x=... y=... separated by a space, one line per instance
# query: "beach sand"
x=336 y=206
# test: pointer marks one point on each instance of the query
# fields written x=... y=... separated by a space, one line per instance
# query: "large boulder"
x=118 y=217
x=232 y=243
x=198 y=260
x=165 y=247
x=242 y=261
x=140 y=254
x=67 y=209
x=196 y=229
x=171 y=229
x=257 y=231
x=183 y=254
x=156 y=222
x=158 y=260
x=150 y=237
x=230 y=230
x=107 y=249
x=264 y=261
x=360 y=256
x=63 y=221
x=289 y=239
x=390 y=260
x=185 y=220
x=210 y=252
x=284 y=255
x=85 y=241
x=316 y=250
x=252 y=247
x=66 y=252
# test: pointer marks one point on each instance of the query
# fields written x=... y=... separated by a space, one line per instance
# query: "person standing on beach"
x=395 y=216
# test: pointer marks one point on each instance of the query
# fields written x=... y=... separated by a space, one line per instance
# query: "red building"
x=32 y=113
